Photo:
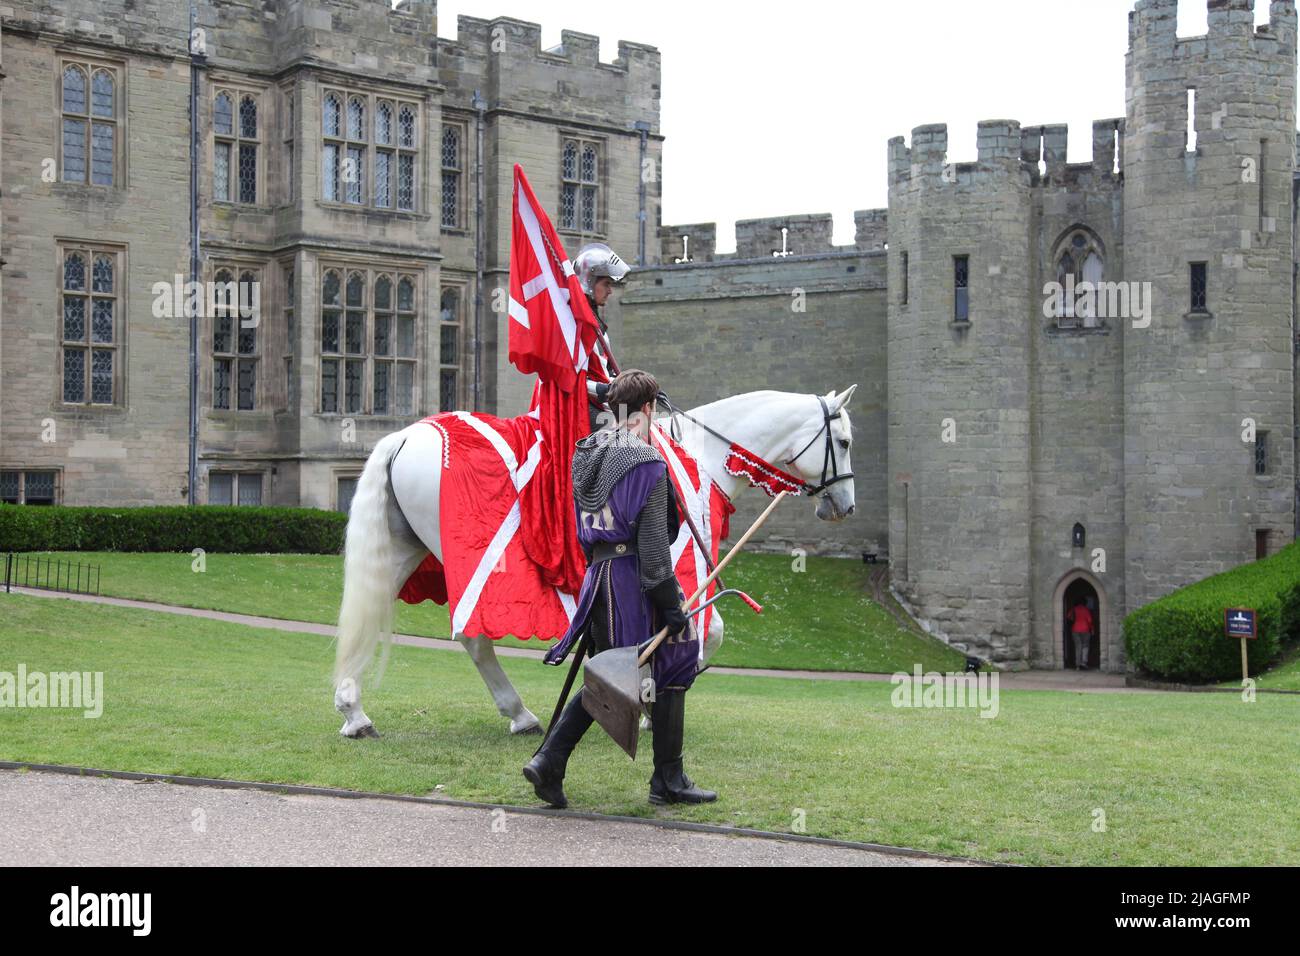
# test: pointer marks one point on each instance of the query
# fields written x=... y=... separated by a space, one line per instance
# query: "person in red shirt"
x=1080 y=619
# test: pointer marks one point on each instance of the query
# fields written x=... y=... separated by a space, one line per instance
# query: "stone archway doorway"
x=1074 y=592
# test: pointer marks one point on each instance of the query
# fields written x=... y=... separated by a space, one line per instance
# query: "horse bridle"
x=828 y=457
x=829 y=465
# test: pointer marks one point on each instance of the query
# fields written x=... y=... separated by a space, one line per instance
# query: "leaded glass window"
x=223 y=114
x=356 y=119
x=88 y=317
x=289 y=132
x=449 y=327
x=236 y=352
x=1200 y=283
x=234 y=488
x=961 y=288
x=405 y=181
x=236 y=136
x=290 y=333
x=451 y=176
x=368 y=151
x=29 y=487
x=333 y=116
x=1079 y=260
x=580 y=186
x=89 y=110
x=368 y=339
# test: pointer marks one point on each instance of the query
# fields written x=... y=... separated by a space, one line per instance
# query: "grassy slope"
x=1182 y=779
x=1284 y=675
x=820 y=619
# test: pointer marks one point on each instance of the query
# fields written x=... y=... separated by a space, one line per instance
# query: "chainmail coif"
x=600 y=461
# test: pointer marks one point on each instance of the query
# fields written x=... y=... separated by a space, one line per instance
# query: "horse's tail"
x=366 y=615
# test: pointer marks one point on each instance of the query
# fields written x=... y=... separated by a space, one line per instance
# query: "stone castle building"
x=1017 y=447
x=352 y=167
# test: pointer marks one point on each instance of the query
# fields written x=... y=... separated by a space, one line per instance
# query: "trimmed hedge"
x=213 y=528
x=1180 y=637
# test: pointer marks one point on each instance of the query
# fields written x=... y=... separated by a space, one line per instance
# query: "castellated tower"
x=1207 y=221
x=1046 y=451
x=960 y=290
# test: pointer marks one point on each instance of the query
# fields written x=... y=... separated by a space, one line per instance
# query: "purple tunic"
x=632 y=615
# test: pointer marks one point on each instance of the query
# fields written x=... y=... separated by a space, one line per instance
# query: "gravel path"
x=58 y=819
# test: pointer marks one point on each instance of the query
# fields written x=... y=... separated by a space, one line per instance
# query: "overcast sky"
x=771 y=108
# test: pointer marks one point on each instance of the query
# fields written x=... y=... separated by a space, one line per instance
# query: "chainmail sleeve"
x=652 y=544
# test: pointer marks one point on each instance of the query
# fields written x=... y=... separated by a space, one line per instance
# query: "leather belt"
x=608 y=550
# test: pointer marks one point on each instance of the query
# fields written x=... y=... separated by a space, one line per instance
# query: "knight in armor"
x=627 y=521
x=599 y=269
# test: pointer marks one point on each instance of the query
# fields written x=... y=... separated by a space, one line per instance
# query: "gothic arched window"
x=1078 y=258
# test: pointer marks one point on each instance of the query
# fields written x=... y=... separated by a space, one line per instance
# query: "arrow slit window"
x=961 y=288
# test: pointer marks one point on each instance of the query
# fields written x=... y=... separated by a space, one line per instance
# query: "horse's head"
x=820 y=452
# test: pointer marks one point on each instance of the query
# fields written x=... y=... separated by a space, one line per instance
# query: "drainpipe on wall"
x=198 y=59
x=642 y=127
x=480 y=106
x=1295 y=354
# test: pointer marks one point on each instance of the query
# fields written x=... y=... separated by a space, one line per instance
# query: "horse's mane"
x=723 y=408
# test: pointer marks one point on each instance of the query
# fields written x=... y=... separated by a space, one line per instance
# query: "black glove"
x=667 y=597
x=602 y=390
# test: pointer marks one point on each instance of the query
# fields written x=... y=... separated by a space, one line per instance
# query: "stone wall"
x=1076 y=408
x=134 y=451
x=1193 y=501
x=720 y=328
x=959 y=392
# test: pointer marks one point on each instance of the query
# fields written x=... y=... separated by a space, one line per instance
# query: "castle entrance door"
x=1080 y=590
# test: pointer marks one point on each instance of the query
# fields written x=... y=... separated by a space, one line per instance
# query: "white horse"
x=394 y=522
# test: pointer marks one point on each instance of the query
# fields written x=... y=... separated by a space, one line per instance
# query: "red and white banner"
x=552 y=329
x=511 y=559
x=551 y=333
x=711 y=511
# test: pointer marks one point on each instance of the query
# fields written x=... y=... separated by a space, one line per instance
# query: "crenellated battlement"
x=800 y=235
x=157 y=27
x=1153 y=29
x=1004 y=145
x=362 y=35
x=516 y=38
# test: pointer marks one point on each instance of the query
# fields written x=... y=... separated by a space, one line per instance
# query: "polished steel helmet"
x=597 y=261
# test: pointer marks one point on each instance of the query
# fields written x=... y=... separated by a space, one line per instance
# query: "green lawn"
x=818 y=619
x=1284 y=675
x=1181 y=778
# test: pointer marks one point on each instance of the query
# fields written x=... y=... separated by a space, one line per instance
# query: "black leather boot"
x=670 y=783
x=546 y=770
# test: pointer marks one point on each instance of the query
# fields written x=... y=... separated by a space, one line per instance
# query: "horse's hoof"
x=533 y=729
x=367 y=731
